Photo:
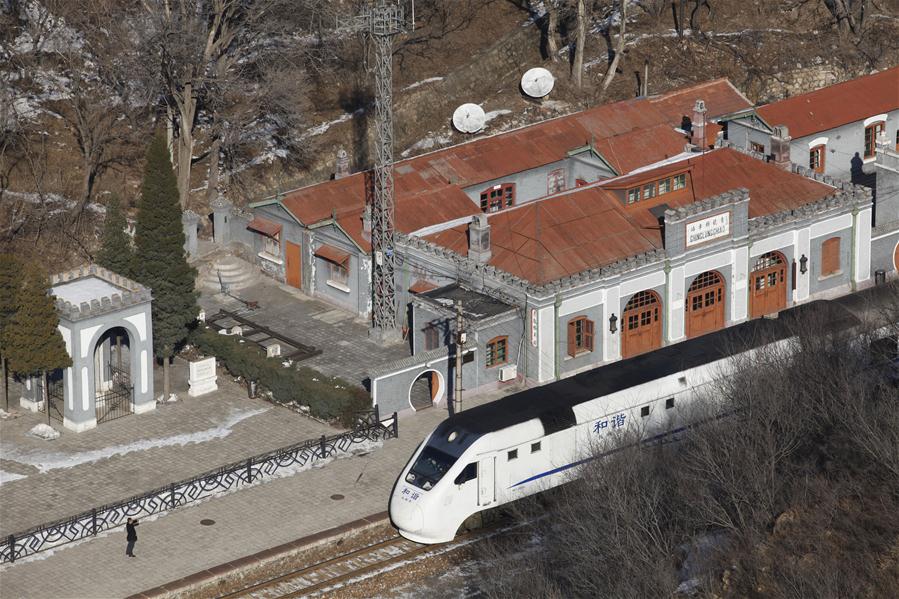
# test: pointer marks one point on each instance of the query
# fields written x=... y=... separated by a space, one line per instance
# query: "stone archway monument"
x=106 y=323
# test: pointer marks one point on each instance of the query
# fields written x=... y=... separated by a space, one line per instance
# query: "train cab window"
x=644 y=411
x=512 y=455
x=535 y=447
x=429 y=468
x=469 y=473
x=669 y=403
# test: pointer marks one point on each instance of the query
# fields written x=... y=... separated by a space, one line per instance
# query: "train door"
x=487 y=481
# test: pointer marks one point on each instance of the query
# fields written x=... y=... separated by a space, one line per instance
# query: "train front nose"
x=406 y=516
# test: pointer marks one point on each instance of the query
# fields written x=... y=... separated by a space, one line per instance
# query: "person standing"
x=130 y=529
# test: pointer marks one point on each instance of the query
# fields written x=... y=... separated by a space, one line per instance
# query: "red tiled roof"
x=420 y=286
x=266 y=227
x=835 y=105
x=332 y=254
x=429 y=187
x=590 y=226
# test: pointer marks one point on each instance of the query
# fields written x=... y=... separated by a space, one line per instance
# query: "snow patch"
x=495 y=113
x=431 y=141
x=47 y=461
x=43 y=431
x=422 y=82
x=8 y=477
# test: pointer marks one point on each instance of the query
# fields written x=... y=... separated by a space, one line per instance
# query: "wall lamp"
x=613 y=323
x=803 y=264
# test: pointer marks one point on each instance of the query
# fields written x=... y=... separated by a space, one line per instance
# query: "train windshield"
x=429 y=468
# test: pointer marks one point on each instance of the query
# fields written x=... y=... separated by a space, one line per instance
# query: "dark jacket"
x=132 y=533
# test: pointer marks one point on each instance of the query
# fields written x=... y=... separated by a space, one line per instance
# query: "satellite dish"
x=537 y=82
x=469 y=118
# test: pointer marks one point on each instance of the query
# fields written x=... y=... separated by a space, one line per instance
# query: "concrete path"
x=251 y=520
x=137 y=453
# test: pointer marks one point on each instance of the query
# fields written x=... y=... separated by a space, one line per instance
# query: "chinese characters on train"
x=410 y=495
x=616 y=421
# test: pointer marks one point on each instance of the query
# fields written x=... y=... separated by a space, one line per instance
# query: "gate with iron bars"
x=117 y=401
x=56 y=399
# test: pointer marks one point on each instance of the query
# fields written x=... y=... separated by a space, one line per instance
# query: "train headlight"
x=410 y=478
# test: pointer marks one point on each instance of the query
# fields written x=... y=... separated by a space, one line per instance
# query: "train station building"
x=593 y=237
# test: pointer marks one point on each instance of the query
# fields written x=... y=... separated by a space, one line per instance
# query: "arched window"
x=830 y=256
x=871 y=133
x=816 y=159
x=497 y=351
x=580 y=335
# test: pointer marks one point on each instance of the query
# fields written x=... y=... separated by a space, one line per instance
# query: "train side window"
x=469 y=473
x=669 y=403
x=513 y=455
x=535 y=447
x=644 y=411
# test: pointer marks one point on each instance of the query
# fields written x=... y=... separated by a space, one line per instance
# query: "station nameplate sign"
x=707 y=229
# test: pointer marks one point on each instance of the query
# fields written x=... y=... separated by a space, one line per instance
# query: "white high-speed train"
x=525 y=443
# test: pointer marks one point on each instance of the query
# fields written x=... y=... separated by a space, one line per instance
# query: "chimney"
x=780 y=146
x=366 y=222
x=479 y=238
x=343 y=164
x=697 y=134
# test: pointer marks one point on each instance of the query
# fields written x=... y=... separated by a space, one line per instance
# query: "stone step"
x=235 y=274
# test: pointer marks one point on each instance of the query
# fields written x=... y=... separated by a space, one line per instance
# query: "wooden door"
x=293 y=271
x=768 y=285
x=896 y=258
x=705 y=304
x=641 y=324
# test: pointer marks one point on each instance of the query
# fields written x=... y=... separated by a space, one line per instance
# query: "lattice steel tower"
x=381 y=22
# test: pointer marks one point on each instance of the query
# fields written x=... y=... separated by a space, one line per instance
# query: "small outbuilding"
x=106 y=322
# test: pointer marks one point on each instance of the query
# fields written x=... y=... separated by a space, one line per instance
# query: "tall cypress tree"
x=115 y=244
x=34 y=342
x=10 y=282
x=160 y=262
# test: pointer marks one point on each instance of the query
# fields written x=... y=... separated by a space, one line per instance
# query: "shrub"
x=328 y=398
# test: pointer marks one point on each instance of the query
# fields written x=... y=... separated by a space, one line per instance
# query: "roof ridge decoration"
x=134 y=293
x=848 y=196
x=728 y=198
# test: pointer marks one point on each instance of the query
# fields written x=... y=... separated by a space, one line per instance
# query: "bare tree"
x=619 y=49
x=196 y=48
x=577 y=64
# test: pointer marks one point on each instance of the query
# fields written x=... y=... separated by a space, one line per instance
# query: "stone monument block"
x=273 y=350
x=202 y=377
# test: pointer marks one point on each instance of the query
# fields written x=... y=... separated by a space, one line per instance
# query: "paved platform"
x=176 y=545
x=137 y=453
x=346 y=349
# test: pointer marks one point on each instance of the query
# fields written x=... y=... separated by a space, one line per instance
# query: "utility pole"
x=460 y=346
x=381 y=22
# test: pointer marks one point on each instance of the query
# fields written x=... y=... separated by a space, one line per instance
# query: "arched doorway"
x=641 y=324
x=896 y=257
x=768 y=285
x=705 y=304
x=113 y=391
x=426 y=390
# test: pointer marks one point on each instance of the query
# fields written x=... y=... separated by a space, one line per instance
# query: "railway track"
x=352 y=567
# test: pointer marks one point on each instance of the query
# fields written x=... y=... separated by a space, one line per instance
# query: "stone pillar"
x=189 y=221
x=221 y=215
x=80 y=412
x=479 y=239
